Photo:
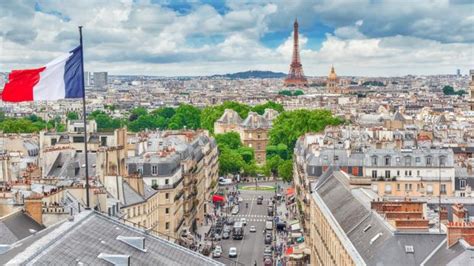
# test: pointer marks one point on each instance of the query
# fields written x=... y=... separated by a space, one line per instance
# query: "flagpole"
x=85 y=120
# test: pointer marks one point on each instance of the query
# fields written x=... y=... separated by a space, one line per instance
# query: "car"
x=244 y=221
x=268 y=239
x=235 y=210
x=217 y=236
x=218 y=248
x=267 y=251
x=216 y=254
x=259 y=200
x=230 y=221
x=240 y=199
x=225 y=235
x=270 y=211
x=232 y=252
x=253 y=229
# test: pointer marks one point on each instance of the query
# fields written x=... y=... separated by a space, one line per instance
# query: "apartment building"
x=182 y=167
x=410 y=172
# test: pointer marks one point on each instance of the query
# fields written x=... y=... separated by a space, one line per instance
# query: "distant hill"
x=252 y=74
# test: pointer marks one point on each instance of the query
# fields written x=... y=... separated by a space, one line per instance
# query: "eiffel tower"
x=296 y=75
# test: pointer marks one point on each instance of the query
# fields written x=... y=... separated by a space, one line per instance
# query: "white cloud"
x=127 y=37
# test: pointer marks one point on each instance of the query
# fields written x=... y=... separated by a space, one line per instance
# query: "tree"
x=230 y=139
x=248 y=154
x=272 y=164
x=281 y=150
x=166 y=112
x=72 y=116
x=298 y=93
x=290 y=125
x=260 y=108
x=230 y=161
x=186 y=116
x=285 y=170
x=136 y=113
x=448 y=90
x=250 y=169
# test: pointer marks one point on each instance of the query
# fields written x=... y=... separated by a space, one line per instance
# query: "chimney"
x=459 y=212
x=34 y=208
x=136 y=182
x=457 y=231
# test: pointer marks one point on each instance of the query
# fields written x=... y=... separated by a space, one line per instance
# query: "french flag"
x=61 y=78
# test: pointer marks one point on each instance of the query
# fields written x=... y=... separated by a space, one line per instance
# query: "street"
x=251 y=248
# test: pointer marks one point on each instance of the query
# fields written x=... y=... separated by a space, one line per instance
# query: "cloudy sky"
x=199 y=37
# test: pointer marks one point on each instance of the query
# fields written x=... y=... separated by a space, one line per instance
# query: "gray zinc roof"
x=16 y=227
x=91 y=233
x=353 y=217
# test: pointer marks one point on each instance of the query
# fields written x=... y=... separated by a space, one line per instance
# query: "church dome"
x=332 y=75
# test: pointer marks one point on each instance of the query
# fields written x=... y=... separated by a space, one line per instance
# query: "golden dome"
x=332 y=75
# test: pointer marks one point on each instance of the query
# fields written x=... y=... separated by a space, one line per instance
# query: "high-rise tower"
x=295 y=75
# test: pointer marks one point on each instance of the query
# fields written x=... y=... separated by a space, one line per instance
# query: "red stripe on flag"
x=20 y=85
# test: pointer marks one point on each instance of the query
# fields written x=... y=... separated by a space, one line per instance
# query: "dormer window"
x=387 y=160
x=407 y=161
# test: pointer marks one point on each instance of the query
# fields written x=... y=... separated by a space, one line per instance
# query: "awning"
x=296 y=256
x=296 y=235
x=290 y=191
x=218 y=198
x=295 y=227
x=289 y=251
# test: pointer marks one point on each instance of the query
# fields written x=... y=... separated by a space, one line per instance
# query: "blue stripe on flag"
x=73 y=76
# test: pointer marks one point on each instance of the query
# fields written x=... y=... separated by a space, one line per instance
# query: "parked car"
x=268 y=239
x=216 y=254
x=232 y=252
x=253 y=229
x=217 y=237
x=267 y=251
x=218 y=248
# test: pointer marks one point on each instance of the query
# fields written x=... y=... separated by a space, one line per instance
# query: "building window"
x=140 y=169
x=387 y=161
x=407 y=187
x=154 y=183
x=462 y=194
x=374 y=174
x=462 y=184
x=442 y=161
x=167 y=195
x=336 y=158
x=154 y=169
x=409 y=173
x=417 y=187
x=167 y=210
x=417 y=159
x=167 y=181
x=406 y=172
x=428 y=161
x=398 y=187
x=388 y=188
x=429 y=189
x=258 y=136
x=408 y=161
x=167 y=225
x=443 y=188
x=387 y=173
x=417 y=172
x=398 y=172
x=374 y=160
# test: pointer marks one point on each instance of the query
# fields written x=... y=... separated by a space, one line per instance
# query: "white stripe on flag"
x=51 y=84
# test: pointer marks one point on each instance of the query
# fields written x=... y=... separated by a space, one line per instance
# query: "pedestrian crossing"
x=252 y=217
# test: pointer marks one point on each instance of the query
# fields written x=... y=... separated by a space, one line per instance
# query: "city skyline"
x=180 y=38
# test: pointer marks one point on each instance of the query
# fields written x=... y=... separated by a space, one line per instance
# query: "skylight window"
x=367 y=228
x=409 y=249
x=375 y=238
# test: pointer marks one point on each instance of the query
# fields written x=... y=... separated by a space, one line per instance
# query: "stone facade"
x=253 y=130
